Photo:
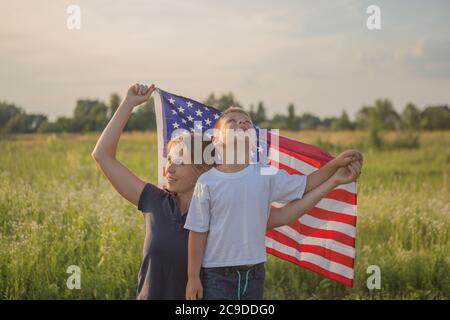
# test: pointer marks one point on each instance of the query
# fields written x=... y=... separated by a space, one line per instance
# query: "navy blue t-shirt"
x=163 y=272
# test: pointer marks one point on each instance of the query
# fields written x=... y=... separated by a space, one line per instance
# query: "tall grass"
x=57 y=210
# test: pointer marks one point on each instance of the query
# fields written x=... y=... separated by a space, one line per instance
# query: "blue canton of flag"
x=183 y=113
x=178 y=112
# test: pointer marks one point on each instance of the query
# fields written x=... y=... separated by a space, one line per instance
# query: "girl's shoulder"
x=151 y=196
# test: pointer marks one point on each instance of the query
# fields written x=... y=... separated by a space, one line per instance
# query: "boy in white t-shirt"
x=229 y=212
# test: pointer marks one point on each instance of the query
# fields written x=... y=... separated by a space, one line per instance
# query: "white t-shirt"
x=234 y=208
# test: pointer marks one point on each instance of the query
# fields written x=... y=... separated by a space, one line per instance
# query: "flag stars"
x=208 y=122
x=216 y=116
x=190 y=118
x=189 y=104
x=172 y=100
x=199 y=113
x=174 y=111
x=184 y=121
x=181 y=109
x=175 y=125
x=199 y=126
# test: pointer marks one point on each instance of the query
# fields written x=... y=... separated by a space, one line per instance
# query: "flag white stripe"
x=294 y=163
x=350 y=187
x=332 y=205
x=314 y=222
x=337 y=206
x=311 y=258
x=324 y=224
x=159 y=114
x=326 y=243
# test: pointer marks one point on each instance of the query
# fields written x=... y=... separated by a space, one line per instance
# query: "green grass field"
x=57 y=210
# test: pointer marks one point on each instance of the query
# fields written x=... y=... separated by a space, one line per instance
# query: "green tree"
x=292 y=121
x=279 y=121
x=309 y=121
x=90 y=115
x=387 y=115
x=7 y=112
x=223 y=102
x=410 y=117
x=362 y=117
x=381 y=114
x=143 y=118
x=114 y=102
x=260 y=115
x=251 y=112
x=342 y=123
x=327 y=122
x=66 y=124
x=47 y=126
x=24 y=123
x=435 y=118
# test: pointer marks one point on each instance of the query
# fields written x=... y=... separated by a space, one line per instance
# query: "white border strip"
x=160 y=130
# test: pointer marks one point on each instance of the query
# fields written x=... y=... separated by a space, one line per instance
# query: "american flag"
x=323 y=239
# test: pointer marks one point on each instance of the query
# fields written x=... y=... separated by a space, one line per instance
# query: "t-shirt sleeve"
x=199 y=213
x=149 y=195
x=287 y=187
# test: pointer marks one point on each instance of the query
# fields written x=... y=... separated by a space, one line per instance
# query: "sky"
x=319 y=54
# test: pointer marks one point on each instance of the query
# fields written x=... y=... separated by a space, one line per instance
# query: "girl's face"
x=180 y=177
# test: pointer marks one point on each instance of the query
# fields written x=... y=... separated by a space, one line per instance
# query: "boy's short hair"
x=228 y=111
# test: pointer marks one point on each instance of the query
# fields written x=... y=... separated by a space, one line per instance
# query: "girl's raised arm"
x=122 y=179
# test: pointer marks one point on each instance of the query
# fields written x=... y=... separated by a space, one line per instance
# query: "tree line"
x=93 y=115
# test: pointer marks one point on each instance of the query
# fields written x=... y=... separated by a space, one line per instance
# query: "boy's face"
x=235 y=121
x=234 y=127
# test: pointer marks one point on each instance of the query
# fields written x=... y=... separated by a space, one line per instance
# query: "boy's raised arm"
x=295 y=209
x=321 y=175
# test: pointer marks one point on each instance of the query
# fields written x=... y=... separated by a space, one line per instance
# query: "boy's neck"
x=230 y=168
x=235 y=165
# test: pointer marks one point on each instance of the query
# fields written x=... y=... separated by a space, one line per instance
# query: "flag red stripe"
x=342 y=195
x=321 y=251
x=294 y=154
x=320 y=233
x=308 y=265
x=332 y=216
x=307 y=150
x=288 y=169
